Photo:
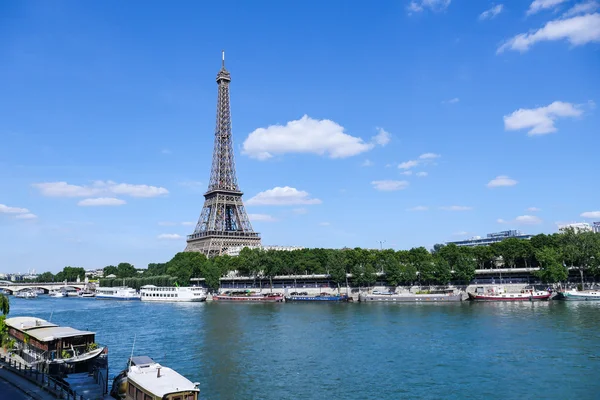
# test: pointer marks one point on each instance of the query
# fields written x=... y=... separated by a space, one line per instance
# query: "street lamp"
x=381 y=242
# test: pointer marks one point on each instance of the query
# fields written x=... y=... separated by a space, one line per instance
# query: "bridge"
x=12 y=287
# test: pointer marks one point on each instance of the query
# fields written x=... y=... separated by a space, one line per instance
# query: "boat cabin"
x=148 y=380
x=44 y=344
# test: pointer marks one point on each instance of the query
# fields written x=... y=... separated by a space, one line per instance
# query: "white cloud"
x=366 y=163
x=539 y=5
x=409 y=172
x=591 y=214
x=456 y=208
x=188 y=223
x=305 y=135
x=300 y=211
x=451 y=101
x=500 y=181
x=422 y=174
x=460 y=233
x=577 y=30
x=169 y=236
x=101 y=201
x=418 y=208
x=491 y=13
x=540 y=120
x=282 y=196
x=382 y=138
x=98 y=188
x=429 y=156
x=433 y=5
x=4 y=209
x=408 y=164
x=261 y=218
x=582 y=8
x=324 y=223
x=522 y=220
x=26 y=216
x=533 y=209
x=389 y=185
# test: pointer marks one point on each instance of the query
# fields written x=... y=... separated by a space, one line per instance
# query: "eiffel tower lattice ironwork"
x=223 y=222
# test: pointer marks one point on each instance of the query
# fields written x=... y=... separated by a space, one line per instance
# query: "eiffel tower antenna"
x=223 y=222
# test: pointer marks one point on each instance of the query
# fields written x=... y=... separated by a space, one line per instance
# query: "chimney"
x=158 y=372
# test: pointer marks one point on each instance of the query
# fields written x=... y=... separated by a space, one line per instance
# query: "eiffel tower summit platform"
x=223 y=222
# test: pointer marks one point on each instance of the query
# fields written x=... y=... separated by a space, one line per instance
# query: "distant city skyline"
x=414 y=123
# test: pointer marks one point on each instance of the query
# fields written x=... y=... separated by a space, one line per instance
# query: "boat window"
x=176 y=398
x=131 y=391
x=147 y=397
x=139 y=395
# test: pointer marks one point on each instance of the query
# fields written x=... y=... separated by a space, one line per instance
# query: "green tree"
x=126 y=270
x=272 y=265
x=186 y=264
x=421 y=260
x=510 y=251
x=4 y=304
x=440 y=272
x=70 y=274
x=337 y=267
x=551 y=269
x=484 y=256
x=156 y=269
x=109 y=270
x=46 y=277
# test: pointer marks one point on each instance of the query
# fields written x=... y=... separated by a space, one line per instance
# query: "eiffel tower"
x=223 y=222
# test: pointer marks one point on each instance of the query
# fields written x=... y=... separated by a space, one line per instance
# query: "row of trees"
x=555 y=255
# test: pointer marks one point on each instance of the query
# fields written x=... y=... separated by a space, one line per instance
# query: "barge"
x=247 y=296
x=448 y=295
x=303 y=296
x=498 y=293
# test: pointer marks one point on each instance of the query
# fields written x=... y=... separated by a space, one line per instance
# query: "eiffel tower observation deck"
x=223 y=222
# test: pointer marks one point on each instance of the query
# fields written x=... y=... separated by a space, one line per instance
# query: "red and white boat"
x=248 y=296
x=497 y=293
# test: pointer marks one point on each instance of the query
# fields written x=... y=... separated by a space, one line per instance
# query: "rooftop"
x=43 y=330
x=145 y=375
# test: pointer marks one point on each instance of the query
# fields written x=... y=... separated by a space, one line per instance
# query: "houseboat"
x=117 y=293
x=498 y=293
x=446 y=295
x=248 y=296
x=304 y=296
x=57 y=293
x=579 y=295
x=61 y=352
x=172 y=294
x=146 y=379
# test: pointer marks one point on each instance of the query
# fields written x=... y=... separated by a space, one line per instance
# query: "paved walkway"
x=12 y=386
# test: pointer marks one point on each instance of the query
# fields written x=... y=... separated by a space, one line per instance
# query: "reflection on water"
x=315 y=351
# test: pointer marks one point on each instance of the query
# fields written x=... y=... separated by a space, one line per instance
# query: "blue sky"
x=337 y=106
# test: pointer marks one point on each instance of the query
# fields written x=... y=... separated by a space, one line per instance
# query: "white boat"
x=579 y=295
x=172 y=294
x=85 y=293
x=26 y=294
x=117 y=293
x=146 y=379
x=498 y=293
x=56 y=293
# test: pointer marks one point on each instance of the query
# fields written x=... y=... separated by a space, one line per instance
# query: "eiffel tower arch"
x=223 y=222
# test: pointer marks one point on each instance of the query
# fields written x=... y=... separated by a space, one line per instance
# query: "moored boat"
x=117 y=293
x=249 y=297
x=172 y=294
x=430 y=296
x=26 y=294
x=86 y=294
x=579 y=295
x=146 y=379
x=303 y=296
x=57 y=293
x=498 y=293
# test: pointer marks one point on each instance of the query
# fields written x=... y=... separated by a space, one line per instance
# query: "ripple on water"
x=315 y=351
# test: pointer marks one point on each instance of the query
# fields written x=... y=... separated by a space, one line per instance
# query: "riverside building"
x=492 y=238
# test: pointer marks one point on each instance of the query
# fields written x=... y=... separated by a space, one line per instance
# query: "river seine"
x=351 y=351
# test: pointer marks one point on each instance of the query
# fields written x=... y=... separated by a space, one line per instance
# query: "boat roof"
x=170 y=381
x=43 y=330
x=27 y=323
